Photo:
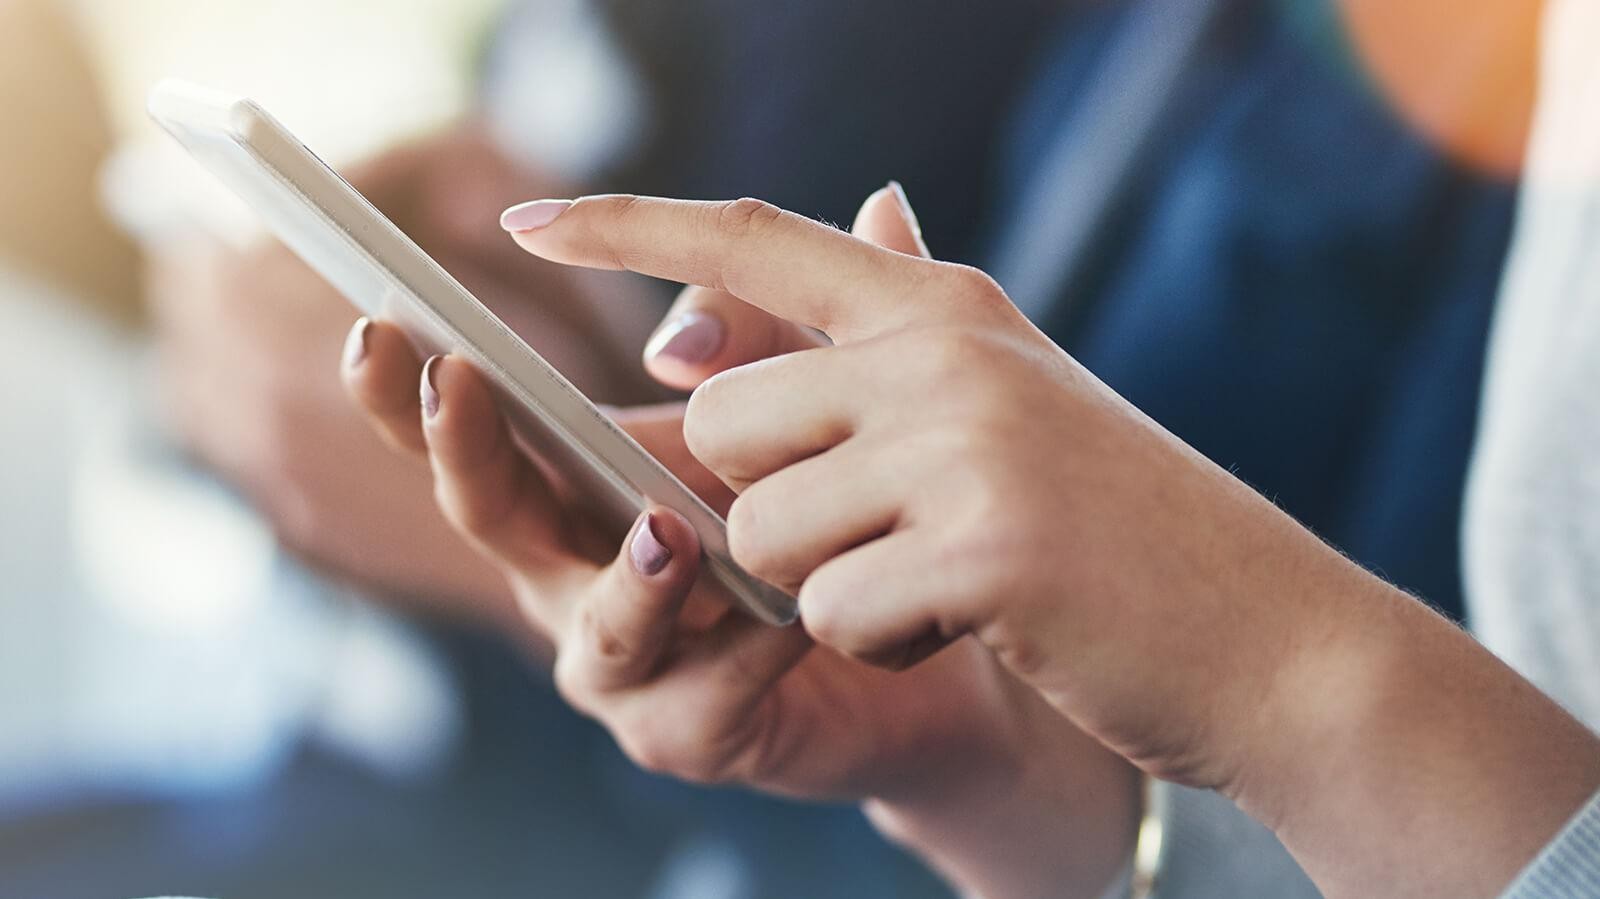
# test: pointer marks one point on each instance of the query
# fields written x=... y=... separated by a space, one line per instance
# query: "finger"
x=710 y=331
x=789 y=265
x=707 y=717
x=883 y=603
x=626 y=623
x=380 y=372
x=736 y=429
x=786 y=525
x=744 y=657
x=659 y=429
x=740 y=659
x=886 y=219
x=485 y=486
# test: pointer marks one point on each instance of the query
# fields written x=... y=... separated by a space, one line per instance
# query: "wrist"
x=1325 y=689
x=1405 y=758
x=1053 y=813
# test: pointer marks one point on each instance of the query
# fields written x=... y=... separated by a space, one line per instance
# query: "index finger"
x=787 y=264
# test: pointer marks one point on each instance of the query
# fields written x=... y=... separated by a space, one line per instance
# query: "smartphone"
x=387 y=276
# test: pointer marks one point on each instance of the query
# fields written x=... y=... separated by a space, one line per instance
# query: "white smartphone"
x=386 y=275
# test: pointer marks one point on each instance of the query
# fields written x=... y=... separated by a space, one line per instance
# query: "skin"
x=1463 y=75
x=943 y=480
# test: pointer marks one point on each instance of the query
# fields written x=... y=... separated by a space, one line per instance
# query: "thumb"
x=709 y=331
x=623 y=627
x=886 y=219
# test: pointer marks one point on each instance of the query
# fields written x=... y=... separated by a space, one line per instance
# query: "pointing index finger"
x=789 y=265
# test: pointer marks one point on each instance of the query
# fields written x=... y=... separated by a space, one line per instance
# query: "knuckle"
x=697 y=432
x=973 y=369
x=607 y=644
x=649 y=757
x=966 y=448
x=1018 y=649
x=821 y=610
x=951 y=354
x=897 y=830
x=749 y=540
x=766 y=758
x=619 y=209
x=625 y=205
x=743 y=529
x=572 y=681
x=702 y=421
x=746 y=216
x=679 y=754
x=697 y=768
x=993 y=564
x=973 y=287
x=987 y=503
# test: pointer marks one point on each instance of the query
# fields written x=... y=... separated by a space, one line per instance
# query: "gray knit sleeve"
x=1569 y=867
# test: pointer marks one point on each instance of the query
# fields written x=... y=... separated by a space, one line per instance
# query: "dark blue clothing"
x=1299 y=287
x=514 y=814
x=815 y=105
x=1296 y=283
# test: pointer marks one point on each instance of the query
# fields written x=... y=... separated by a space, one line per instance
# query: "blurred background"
x=240 y=656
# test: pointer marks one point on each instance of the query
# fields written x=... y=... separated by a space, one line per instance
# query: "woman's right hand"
x=954 y=757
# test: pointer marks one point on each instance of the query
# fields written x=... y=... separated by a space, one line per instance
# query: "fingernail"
x=648 y=553
x=430 y=393
x=692 y=337
x=355 y=346
x=533 y=216
x=906 y=211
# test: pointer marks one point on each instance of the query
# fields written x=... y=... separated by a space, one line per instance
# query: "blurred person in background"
x=1271 y=213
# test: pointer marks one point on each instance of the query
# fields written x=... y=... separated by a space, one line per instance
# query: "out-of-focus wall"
x=352 y=76
x=53 y=137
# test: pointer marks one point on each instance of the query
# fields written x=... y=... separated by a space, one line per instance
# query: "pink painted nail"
x=533 y=216
x=355 y=346
x=690 y=338
x=648 y=553
x=430 y=393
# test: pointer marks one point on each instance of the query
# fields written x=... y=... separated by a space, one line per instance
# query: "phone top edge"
x=173 y=100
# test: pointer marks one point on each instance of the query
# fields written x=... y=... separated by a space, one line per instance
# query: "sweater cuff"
x=1569 y=866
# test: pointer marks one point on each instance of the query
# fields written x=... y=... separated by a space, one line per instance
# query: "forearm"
x=1403 y=758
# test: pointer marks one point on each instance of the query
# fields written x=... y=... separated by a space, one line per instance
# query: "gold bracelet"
x=1147 y=845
